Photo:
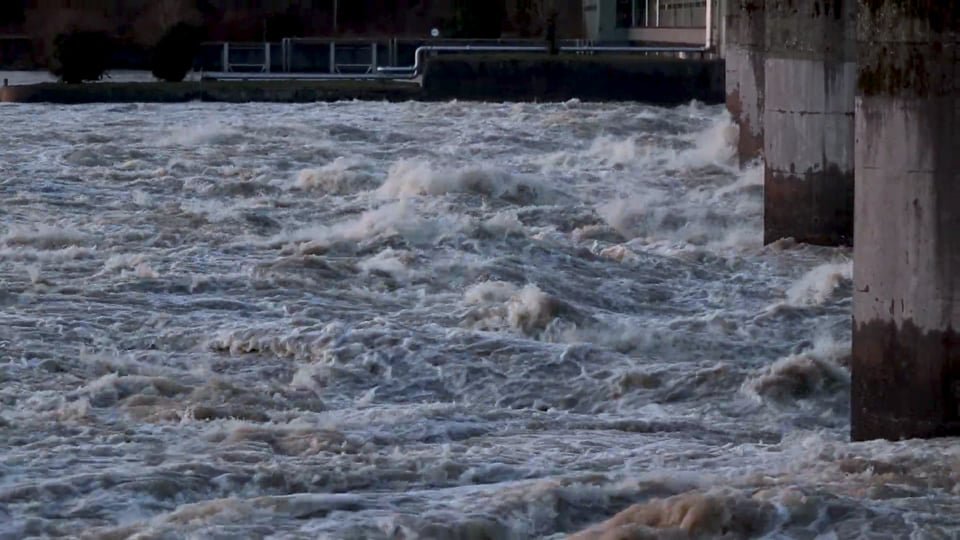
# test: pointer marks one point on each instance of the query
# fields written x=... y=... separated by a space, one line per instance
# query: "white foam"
x=715 y=145
x=489 y=292
x=395 y=218
x=123 y=261
x=145 y=271
x=389 y=261
x=617 y=152
x=29 y=254
x=42 y=236
x=209 y=133
x=505 y=222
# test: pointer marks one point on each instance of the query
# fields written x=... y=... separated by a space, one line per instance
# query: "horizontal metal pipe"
x=414 y=70
x=260 y=76
x=601 y=49
x=410 y=72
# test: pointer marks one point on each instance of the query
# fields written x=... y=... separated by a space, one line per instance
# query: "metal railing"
x=415 y=69
x=228 y=65
x=333 y=65
x=256 y=60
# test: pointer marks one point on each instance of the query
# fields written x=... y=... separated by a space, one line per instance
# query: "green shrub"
x=79 y=55
x=174 y=54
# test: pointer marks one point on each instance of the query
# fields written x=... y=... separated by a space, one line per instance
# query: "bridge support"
x=906 y=343
x=809 y=89
x=743 y=51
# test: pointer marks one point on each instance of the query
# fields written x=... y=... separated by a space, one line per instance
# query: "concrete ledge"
x=655 y=80
x=663 y=81
x=229 y=92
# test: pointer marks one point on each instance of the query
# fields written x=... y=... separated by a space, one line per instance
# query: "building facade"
x=652 y=21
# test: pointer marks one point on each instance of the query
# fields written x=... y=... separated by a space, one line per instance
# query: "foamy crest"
x=818 y=285
x=392 y=219
x=531 y=309
x=706 y=216
x=142 y=270
x=712 y=514
x=389 y=261
x=339 y=177
x=123 y=261
x=616 y=152
x=413 y=177
x=489 y=292
x=503 y=223
x=636 y=216
x=503 y=305
x=717 y=144
x=802 y=376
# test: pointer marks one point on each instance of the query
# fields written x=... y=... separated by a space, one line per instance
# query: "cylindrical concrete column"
x=809 y=87
x=743 y=52
x=906 y=340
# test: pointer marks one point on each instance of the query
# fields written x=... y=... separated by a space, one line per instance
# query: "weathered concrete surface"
x=744 y=53
x=662 y=81
x=808 y=124
x=906 y=341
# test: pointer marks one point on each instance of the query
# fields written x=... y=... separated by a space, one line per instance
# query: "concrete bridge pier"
x=906 y=342
x=743 y=52
x=809 y=88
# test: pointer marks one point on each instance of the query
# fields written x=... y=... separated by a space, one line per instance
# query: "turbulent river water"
x=436 y=321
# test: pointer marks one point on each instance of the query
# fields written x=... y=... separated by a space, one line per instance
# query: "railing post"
x=289 y=55
x=373 y=57
x=708 y=39
x=333 y=57
x=267 y=57
x=225 y=56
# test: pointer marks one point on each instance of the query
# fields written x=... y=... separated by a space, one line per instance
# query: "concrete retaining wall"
x=906 y=339
x=663 y=81
x=230 y=92
x=809 y=79
x=745 y=23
